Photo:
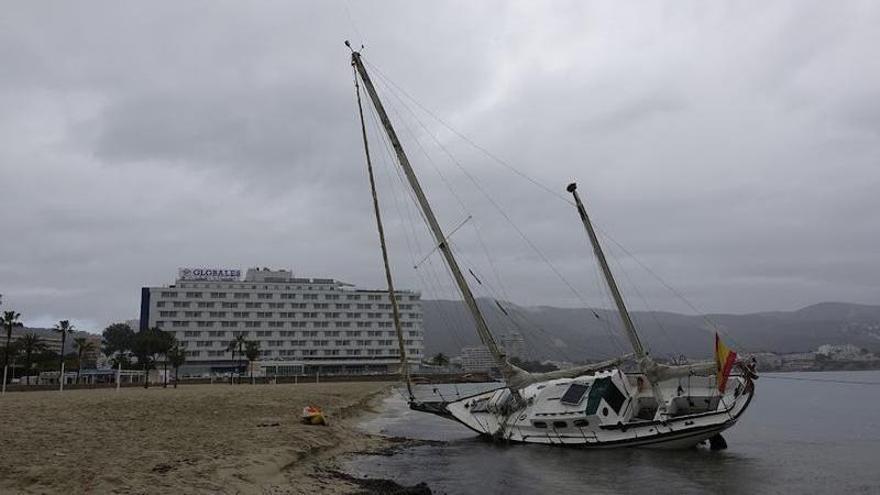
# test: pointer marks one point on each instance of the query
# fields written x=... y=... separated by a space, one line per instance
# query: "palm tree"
x=440 y=359
x=64 y=328
x=82 y=345
x=30 y=344
x=252 y=351
x=176 y=356
x=10 y=320
x=237 y=343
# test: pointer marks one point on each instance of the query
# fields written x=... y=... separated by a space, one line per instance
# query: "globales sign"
x=208 y=274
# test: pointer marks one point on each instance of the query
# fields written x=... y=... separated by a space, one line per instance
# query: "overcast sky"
x=733 y=148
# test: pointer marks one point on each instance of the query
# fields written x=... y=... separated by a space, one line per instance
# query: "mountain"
x=576 y=334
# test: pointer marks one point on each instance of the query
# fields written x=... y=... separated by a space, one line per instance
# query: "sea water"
x=799 y=435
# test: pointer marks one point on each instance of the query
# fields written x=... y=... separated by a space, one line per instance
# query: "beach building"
x=303 y=325
x=477 y=358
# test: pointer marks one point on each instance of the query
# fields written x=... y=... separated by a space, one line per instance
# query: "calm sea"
x=797 y=437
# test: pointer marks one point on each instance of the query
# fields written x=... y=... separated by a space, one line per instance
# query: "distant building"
x=844 y=352
x=477 y=358
x=514 y=345
x=303 y=325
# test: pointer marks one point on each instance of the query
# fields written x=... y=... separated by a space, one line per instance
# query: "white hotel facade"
x=302 y=325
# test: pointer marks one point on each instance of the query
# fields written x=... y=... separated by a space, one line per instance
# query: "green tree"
x=30 y=344
x=440 y=359
x=10 y=320
x=146 y=346
x=116 y=341
x=83 y=345
x=165 y=344
x=64 y=328
x=176 y=356
x=237 y=344
x=252 y=352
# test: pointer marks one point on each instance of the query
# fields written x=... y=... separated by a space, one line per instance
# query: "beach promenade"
x=195 y=439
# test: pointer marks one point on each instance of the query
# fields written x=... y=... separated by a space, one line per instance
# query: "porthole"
x=580 y=423
x=560 y=424
x=539 y=424
x=604 y=411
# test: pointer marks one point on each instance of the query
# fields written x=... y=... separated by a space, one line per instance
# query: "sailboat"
x=599 y=405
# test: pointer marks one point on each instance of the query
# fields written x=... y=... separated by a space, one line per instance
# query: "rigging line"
x=446 y=240
x=830 y=380
x=415 y=138
x=467 y=174
x=408 y=207
x=468 y=140
x=537 y=183
x=714 y=326
x=494 y=203
x=619 y=267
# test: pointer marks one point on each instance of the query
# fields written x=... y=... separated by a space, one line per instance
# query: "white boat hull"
x=695 y=412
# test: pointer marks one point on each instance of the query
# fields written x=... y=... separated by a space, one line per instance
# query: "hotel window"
x=230 y=305
x=353 y=352
x=331 y=297
x=193 y=353
x=341 y=343
x=310 y=297
x=192 y=314
x=167 y=313
x=240 y=314
x=204 y=343
x=352 y=333
x=321 y=343
x=276 y=343
x=228 y=324
x=179 y=304
x=205 y=324
x=352 y=315
x=240 y=333
x=160 y=324
x=160 y=304
x=320 y=306
x=374 y=315
x=192 y=333
x=342 y=324
x=264 y=333
x=253 y=324
x=203 y=304
x=310 y=333
x=343 y=306
x=276 y=324
x=217 y=333
x=353 y=297
x=374 y=333
x=242 y=295
x=276 y=305
x=310 y=315
x=288 y=296
x=169 y=294
x=178 y=323
x=298 y=324
x=218 y=314
x=253 y=305
x=194 y=295
x=365 y=324
x=264 y=295
x=309 y=352
x=331 y=315
x=331 y=352
x=364 y=306
x=218 y=295
x=374 y=297
x=264 y=314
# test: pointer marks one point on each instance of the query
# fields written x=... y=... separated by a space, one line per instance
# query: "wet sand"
x=195 y=439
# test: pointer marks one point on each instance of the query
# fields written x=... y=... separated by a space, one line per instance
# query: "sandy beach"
x=195 y=439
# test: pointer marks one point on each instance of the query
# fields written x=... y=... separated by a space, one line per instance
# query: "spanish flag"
x=724 y=359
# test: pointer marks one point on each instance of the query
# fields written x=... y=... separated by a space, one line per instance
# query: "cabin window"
x=580 y=423
x=575 y=394
x=560 y=424
x=539 y=424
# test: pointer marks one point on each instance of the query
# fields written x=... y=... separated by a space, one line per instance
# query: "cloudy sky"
x=732 y=148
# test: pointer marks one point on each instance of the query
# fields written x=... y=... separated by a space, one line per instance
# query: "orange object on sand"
x=312 y=415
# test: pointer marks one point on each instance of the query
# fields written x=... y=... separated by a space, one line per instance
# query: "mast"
x=508 y=370
x=395 y=309
x=646 y=364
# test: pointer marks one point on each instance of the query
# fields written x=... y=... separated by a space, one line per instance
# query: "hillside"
x=576 y=334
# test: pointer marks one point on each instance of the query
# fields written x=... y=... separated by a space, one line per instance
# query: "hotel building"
x=303 y=325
